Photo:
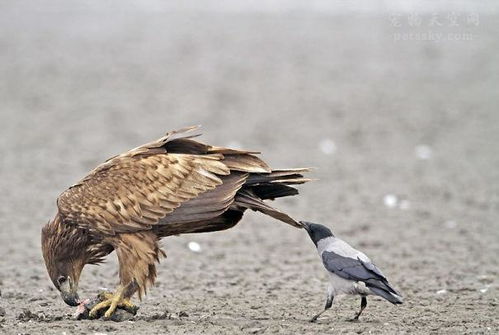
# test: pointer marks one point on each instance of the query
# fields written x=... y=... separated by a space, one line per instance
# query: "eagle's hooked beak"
x=68 y=292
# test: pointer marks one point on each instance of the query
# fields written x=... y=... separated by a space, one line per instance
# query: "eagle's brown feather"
x=133 y=193
x=170 y=186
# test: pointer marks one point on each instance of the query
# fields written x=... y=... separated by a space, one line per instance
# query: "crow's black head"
x=316 y=231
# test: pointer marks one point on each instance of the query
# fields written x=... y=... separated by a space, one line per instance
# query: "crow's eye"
x=61 y=280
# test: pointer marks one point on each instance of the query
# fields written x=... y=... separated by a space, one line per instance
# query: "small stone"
x=443 y=291
x=327 y=146
x=121 y=315
x=194 y=246
x=26 y=315
x=485 y=289
x=2 y=311
x=390 y=200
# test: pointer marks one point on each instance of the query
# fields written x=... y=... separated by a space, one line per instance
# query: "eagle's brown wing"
x=133 y=191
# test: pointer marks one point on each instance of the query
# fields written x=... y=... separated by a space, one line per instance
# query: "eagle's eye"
x=61 y=280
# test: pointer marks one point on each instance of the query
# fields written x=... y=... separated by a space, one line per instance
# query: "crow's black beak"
x=305 y=225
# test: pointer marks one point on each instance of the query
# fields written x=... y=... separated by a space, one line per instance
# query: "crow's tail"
x=386 y=292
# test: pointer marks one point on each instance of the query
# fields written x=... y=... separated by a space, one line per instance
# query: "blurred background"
x=394 y=103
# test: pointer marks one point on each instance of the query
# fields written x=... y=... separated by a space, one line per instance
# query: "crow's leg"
x=363 y=304
x=329 y=303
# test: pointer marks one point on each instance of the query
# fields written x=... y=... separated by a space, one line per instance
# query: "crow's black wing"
x=350 y=268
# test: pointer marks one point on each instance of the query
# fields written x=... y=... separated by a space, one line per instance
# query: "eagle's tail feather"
x=261 y=186
x=247 y=199
x=286 y=177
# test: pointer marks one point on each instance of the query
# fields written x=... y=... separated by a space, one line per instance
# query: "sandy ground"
x=336 y=92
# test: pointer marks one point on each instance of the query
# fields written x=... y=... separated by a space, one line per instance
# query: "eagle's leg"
x=111 y=301
x=363 y=304
x=137 y=254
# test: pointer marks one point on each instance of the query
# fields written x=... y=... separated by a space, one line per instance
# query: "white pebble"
x=423 y=151
x=390 y=200
x=194 y=246
x=442 y=291
x=485 y=289
x=327 y=146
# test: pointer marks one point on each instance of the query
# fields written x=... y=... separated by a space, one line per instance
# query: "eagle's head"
x=64 y=252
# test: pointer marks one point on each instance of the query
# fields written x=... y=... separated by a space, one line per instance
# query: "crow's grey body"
x=351 y=271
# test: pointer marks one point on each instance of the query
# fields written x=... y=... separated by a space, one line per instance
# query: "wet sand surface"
x=403 y=135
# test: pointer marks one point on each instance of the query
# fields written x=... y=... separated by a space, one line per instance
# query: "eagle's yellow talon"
x=95 y=310
x=110 y=310
x=104 y=295
x=112 y=301
x=127 y=304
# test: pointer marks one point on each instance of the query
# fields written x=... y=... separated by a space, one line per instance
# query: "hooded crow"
x=350 y=271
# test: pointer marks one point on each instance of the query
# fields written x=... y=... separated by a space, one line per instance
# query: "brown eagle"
x=171 y=186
